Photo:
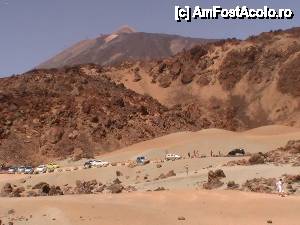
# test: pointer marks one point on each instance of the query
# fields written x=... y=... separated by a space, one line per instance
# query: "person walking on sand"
x=279 y=187
x=186 y=169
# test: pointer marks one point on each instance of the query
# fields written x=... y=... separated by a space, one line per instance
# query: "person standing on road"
x=186 y=169
x=279 y=187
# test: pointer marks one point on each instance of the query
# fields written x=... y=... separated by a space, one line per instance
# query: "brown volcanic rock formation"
x=257 y=80
x=53 y=114
x=290 y=153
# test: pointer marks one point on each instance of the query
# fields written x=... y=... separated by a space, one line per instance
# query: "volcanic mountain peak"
x=125 y=30
x=122 y=45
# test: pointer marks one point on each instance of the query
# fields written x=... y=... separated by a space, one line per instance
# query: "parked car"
x=28 y=170
x=99 y=163
x=142 y=160
x=237 y=151
x=21 y=169
x=52 y=166
x=4 y=169
x=41 y=169
x=88 y=164
x=172 y=157
x=12 y=169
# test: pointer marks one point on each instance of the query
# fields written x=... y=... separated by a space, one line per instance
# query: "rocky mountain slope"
x=124 y=44
x=258 y=78
x=54 y=114
x=88 y=109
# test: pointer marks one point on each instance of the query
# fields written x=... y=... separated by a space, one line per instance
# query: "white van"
x=172 y=157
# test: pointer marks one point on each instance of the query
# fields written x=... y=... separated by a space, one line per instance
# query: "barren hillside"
x=53 y=114
x=258 y=79
x=86 y=109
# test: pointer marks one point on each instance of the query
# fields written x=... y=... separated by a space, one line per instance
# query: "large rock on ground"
x=55 y=190
x=256 y=158
x=6 y=190
x=116 y=188
x=85 y=187
x=262 y=185
x=213 y=179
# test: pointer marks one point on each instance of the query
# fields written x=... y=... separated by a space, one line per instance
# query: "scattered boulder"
x=44 y=190
x=117 y=181
x=261 y=185
x=257 y=158
x=17 y=192
x=39 y=185
x=55 y=190
x=218 y=174
x=67 y=190
x=181 y=218
x=99 y=189
x=119 y=173
x=130 y=189
x=85 y=187
x=116 y=188
x=232 y=185
x=290 y=153
x=6 y=190
x=11 y=211
x=160 y=189
x=213 y=184
x=214 y=179
x=292 y=178
x=31 y=194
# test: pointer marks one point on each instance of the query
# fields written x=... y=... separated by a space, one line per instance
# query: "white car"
x=99 y=163
x=172 y=157
x=12 y=170
x=41 y=169
x=21 y=169
x=28 y=170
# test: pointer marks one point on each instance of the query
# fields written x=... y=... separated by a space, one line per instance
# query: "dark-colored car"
x=142 y=160
x=88 y=164
x=237 y=151
x=28 y=170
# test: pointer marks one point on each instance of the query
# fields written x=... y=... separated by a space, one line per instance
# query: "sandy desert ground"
x=184 y=197
x=197 y=207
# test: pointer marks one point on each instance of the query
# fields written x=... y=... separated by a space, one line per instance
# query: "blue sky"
x=32 y=31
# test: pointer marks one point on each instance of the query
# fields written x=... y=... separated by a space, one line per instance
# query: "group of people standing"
x=195 y=154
